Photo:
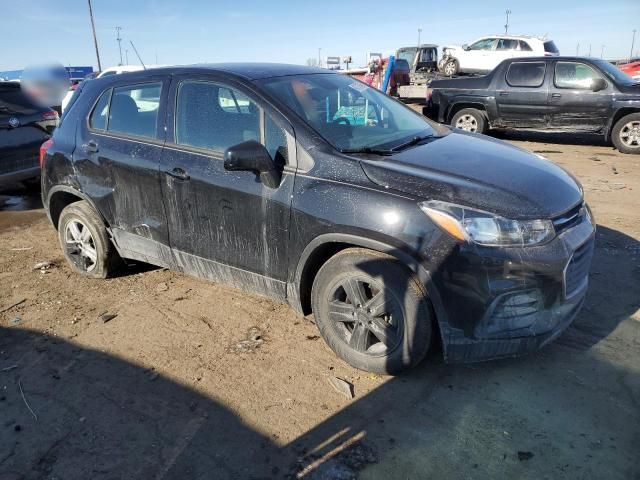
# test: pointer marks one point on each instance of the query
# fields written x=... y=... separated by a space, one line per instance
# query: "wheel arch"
x=323 y=247
x=621 y=112
x=61 y=196
x=456 y=107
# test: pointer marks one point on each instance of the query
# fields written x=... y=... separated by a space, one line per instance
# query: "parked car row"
x=549 y=93
x=24 y=126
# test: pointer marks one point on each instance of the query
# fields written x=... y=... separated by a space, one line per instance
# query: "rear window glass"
x=526 y=74
x=134 y=110
x=550 y=47
x=12 y=100
x=98 y=119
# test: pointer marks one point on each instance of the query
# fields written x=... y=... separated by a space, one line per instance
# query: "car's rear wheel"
x=372 y=311
x=451 y=67
x=470 y=120
x=85 y=242
x=626 y=134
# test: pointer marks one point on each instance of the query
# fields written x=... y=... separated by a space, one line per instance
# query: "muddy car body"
x=390 y=243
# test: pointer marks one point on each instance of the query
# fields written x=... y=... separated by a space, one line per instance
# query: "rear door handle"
x=90 y=147
x=179 y=173
x=556 y=95
x=504 y=94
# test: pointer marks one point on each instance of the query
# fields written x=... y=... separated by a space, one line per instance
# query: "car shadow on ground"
x=565 y=412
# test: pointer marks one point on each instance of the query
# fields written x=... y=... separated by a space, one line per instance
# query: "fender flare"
x=72 y=190
x=403 y=256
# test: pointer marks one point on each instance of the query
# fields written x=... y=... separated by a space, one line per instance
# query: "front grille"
x=577 y=271
x=569 y=219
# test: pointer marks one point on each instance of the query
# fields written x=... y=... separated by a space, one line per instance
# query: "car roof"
x=249 y=71
x=517 y=37
x=562 y=58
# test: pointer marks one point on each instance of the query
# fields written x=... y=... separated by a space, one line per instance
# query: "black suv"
x=314 y=189
x=552 y=94
x=24 y=126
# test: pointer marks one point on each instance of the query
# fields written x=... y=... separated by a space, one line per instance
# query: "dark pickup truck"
x=551 y=94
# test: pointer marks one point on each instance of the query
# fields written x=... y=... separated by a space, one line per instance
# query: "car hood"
x=479 y=172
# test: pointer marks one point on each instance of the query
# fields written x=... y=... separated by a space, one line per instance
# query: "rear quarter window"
x=550 y=47
x=526 y=74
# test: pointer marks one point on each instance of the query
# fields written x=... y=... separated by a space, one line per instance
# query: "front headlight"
x=485 y=228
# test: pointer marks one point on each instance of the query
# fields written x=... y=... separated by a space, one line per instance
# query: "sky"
x=184 y=32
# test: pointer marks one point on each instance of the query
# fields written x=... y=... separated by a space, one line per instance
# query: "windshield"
x=614 y=73
x=347 y=113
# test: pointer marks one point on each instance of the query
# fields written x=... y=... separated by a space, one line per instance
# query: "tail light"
x=43 y=150
x=52 y=115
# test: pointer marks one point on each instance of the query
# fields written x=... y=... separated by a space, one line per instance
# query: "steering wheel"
x=341 y=120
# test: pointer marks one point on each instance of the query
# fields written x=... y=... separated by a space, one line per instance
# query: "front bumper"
x=510 y=301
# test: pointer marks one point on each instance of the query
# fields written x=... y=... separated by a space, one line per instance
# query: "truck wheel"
x=626 y=134
x=85 y=243
x=371 y=311
x=451 y=67
x=470 y=120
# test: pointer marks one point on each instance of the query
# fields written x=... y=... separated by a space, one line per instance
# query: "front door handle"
x=504 y=94
x=179 y=173
x=90 y=147
x=555 y=95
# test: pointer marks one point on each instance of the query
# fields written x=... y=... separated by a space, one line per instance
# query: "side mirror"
x=465 y=47
x=598 y=84
x=253 y=156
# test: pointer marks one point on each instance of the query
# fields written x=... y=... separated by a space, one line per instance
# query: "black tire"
x=451 y=67
x=78 y=251
x=395 y=309
x=470 y=120
x=625 y=134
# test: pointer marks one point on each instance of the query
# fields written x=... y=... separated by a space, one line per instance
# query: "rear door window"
x=574 y=75
x=524 y=46
x=507 y=44
x=134 y=110
x=526 y=74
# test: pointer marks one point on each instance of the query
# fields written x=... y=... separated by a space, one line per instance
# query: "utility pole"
x=126 y=55
x=602 y=52
x=589 y=49
x=577 y=50
x=506 y=25
x=156 y=58
x=119 y=43
x=419 y=32
x=320 y=57
x=95 y=39
x=633 y=41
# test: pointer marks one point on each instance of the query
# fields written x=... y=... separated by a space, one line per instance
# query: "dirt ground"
x=164 y=390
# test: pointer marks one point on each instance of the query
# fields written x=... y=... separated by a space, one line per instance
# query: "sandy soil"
x=162 y=390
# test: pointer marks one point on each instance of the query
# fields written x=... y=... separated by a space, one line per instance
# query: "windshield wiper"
x=414 y=141
x=372 y=150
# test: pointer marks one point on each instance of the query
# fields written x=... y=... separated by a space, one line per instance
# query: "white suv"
x=486 y=53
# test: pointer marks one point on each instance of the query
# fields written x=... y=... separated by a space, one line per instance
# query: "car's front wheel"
x=85 y=242
x=372 y=311
x=626 y=134
x=470 y=120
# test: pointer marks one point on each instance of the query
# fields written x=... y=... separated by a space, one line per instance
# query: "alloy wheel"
x=468 y=123
x=80 y=245
x=450 y=68
x=630 y=134
x=366 y=316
